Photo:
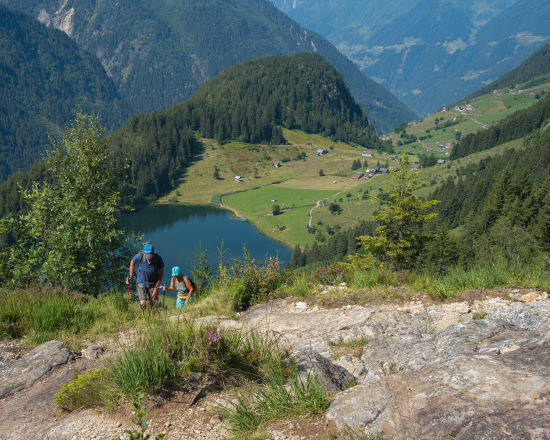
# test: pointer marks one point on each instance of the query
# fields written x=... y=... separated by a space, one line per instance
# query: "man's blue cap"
x=148 y=249
x=175 y=271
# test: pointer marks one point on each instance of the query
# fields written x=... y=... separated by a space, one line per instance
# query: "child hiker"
x=183 y=285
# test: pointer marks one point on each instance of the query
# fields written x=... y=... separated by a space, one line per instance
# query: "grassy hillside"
x=468 y=117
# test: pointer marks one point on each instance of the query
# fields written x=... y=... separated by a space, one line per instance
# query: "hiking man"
x=149 y=269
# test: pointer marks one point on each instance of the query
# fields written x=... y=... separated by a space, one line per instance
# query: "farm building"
x=357 y=175
x=238 y=179
x=321 y=151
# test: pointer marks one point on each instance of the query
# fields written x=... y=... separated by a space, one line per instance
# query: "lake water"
x=179 y=232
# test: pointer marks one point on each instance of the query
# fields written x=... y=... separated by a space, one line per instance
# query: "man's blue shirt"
x=147 y=273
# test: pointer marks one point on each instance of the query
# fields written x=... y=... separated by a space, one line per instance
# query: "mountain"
x=44 y=77
x=246 y=102
x=429 y=53
x=535 y=68
x=159 y=53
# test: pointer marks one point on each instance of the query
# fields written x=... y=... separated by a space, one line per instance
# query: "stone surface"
x=26 y=370
x=487 y=378
x=312 y=364
x=92 y=352
x=477 y=368
x=528 y=297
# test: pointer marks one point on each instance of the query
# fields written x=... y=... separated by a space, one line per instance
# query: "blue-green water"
x=179 y=232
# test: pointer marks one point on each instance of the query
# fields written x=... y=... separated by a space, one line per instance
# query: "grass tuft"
x=275 y=400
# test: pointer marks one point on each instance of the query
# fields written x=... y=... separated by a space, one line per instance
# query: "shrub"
x=88 y=390
x=140 y=420
x=256 y=282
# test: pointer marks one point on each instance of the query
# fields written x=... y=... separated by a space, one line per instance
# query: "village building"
x=276 y=164
x=320 y=152
x=238 y=179
x=373 y=170
x=367 y=154
x=357 y=175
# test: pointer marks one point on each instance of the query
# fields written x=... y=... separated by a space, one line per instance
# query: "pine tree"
x=403 y=218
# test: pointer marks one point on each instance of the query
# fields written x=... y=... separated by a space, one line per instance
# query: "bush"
x=334 y=208
x=256 y=282
x=88 y=390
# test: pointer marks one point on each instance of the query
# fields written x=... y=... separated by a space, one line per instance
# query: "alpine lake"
x=180 y=233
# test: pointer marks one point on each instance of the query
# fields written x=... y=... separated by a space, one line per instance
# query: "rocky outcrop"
x=26 y=370
x=471 y=369
x=471 y=380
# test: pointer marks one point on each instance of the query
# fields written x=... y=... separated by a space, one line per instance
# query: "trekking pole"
x=128 y=290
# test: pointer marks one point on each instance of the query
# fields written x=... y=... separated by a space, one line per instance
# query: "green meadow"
x=290 y=226
x=304 y=178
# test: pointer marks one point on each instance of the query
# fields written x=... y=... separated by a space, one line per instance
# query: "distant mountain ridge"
x=44 y=78
x=159 y=53
x=537 y=65
x=429 y=53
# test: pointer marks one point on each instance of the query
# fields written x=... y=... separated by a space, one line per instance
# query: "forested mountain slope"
x=159 y=53
x=247 y=102
x=44 y=77
x=429 y=53
x=515 y=126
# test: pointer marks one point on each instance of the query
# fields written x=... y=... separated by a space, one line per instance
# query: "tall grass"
x=480 y=277
x=41 y=314
x=275 y=400
x=171 y=351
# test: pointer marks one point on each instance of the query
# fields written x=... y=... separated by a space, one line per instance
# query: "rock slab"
x=482 y=379
x=26 y=370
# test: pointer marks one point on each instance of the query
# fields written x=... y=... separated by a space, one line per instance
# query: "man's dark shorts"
x=145 y=292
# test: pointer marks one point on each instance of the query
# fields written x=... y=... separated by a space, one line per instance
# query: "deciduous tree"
x=70 y=236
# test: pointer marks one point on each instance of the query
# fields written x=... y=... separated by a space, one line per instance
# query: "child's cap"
x=175 y=271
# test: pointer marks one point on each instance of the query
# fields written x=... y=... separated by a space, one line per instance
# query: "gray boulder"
x=26 y=370
x=334 y=377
